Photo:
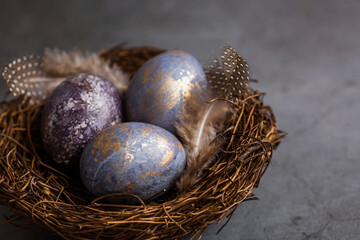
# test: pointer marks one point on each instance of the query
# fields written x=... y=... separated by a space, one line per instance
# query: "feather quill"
x=200 y=130
x=37 y=77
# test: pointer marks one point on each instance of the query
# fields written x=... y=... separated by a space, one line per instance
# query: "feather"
x=37 y=77
x=229 y=80
x=26 y=75
x=198 y=135
x=61 y=63
x=201 y=129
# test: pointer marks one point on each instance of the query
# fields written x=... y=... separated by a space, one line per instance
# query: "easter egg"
x=78 y=109
x=132 y=157
x=159 y=91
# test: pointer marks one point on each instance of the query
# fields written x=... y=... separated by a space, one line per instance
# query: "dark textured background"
x=306 y=56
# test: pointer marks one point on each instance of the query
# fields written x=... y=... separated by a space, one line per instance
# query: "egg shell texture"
x=132 y=157
x=159 y=91
x=78 y=109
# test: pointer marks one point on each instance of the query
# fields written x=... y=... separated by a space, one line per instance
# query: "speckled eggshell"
x=132 y=157
x=160 y=89
x=78 y=109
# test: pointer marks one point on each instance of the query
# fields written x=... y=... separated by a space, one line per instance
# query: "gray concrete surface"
x=306 y=56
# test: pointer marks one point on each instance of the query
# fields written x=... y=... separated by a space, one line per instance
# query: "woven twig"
x=31 y=187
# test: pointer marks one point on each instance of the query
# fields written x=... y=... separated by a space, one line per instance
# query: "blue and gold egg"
x=136 y=158
x=159 y=91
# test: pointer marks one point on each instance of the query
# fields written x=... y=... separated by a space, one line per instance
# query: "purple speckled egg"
x=132 y=157
x=78 y=109
x=159 y=91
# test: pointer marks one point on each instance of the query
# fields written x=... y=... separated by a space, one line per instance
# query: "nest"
x=33 y=188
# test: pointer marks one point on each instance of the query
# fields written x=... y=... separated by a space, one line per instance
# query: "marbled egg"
x=159 y=91
x=78 y=109
x=132 y=157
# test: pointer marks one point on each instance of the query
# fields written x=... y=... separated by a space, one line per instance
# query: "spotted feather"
x=37 y=76
x=26 y=76
x=229 y=79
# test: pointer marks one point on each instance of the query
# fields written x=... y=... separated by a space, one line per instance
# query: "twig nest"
x=78 y=109
x=44 y=195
